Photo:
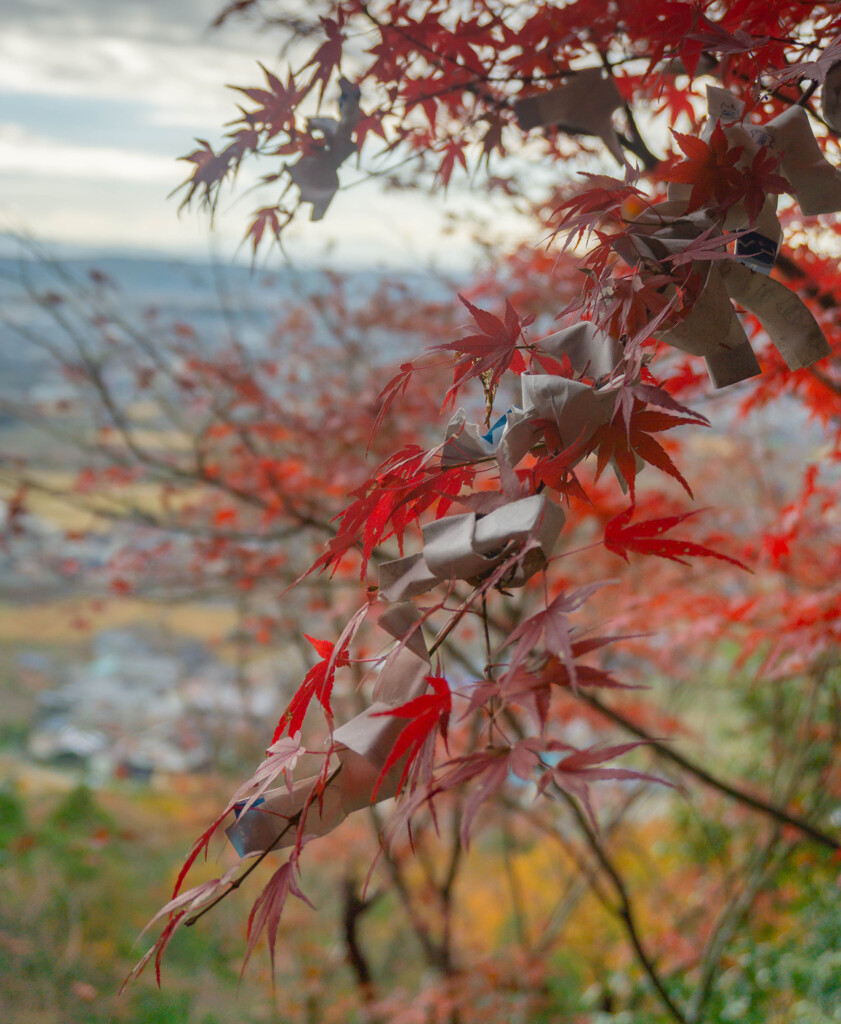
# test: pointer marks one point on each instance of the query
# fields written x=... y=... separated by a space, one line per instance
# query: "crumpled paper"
x=362 y=746
x=577 y=409
x=469 y=546
x=583 y=105
x=831 y=97
x=815 y=182
x=712 y=328
x=316 y=174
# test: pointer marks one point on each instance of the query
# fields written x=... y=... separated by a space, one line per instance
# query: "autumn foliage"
x=580 y=366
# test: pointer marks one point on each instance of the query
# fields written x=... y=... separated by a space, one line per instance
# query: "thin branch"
x=663 y=750
x=625 y=911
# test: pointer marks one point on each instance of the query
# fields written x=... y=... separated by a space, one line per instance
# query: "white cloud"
x=22 y=152
x=180 y=84
x=146 y=68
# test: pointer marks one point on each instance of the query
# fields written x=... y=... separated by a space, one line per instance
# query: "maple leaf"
x=492 y=767
x=603 y=200
x=493 y=351
x=266 y=218
x=327 y=57
x=268 y=907
x=577 y=769
x=646 y=538
x=760 y=180
x=709 y=169
x=622 y=441
x=654 y=394
x=427 y=714
x=318 y=683
x=453 y=151
x=405 y=487
x=815 y=70
x=398 y=385
x=552 y=626
x=210 y=169
x=276 y=110
x=714 y=38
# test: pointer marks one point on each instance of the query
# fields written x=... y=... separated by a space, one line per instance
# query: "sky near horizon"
x=98 y=99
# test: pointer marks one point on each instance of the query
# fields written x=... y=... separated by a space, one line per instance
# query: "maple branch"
x=433 y=951
x=735 y=793
x=352 y=910
x=734 y=911
x=237 y=882
x=635 y=144
x=293 y=820
x=625 y=910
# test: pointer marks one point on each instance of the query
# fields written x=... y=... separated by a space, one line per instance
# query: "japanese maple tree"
x=464 y=562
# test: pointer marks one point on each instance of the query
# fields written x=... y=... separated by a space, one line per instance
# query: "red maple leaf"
x=574 y=772
x=318 y=682
x=426 y=714
x=552 y=626
x=622 y=442
x=494 y=350
x=760 y=180
x=268 y=907
x=646 y=538
x=709 y=169
x=276 y=110
x=328 y=56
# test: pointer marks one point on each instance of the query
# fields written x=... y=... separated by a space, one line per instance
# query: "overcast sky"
x=99 y=97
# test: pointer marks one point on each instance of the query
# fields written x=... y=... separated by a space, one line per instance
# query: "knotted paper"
x=469 y=546
x=583 y=105
x=316 y=174
x=362 y=746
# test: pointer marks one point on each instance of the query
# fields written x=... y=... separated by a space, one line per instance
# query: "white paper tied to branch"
x=831 y=97
x=577 y=409
x=815 y=182
x=583 y=105
x=786 y=319
x=469 y=546
x=713 y=331
x=316 y=174
x=362 y=746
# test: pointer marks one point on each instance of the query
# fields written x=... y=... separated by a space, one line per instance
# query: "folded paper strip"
x=577 y=409
x=468 y=547
x=712 y=328
x=316 y=174
x=583 y=105
x=361 y=747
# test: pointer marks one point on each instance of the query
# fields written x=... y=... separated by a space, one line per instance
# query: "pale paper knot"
x=469 y=546
x=577 y=409
x=316 y=174
x=583 y=105
x=362 y=746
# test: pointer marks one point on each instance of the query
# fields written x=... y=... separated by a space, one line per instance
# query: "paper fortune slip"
x=361 y=747
x=583 y=105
